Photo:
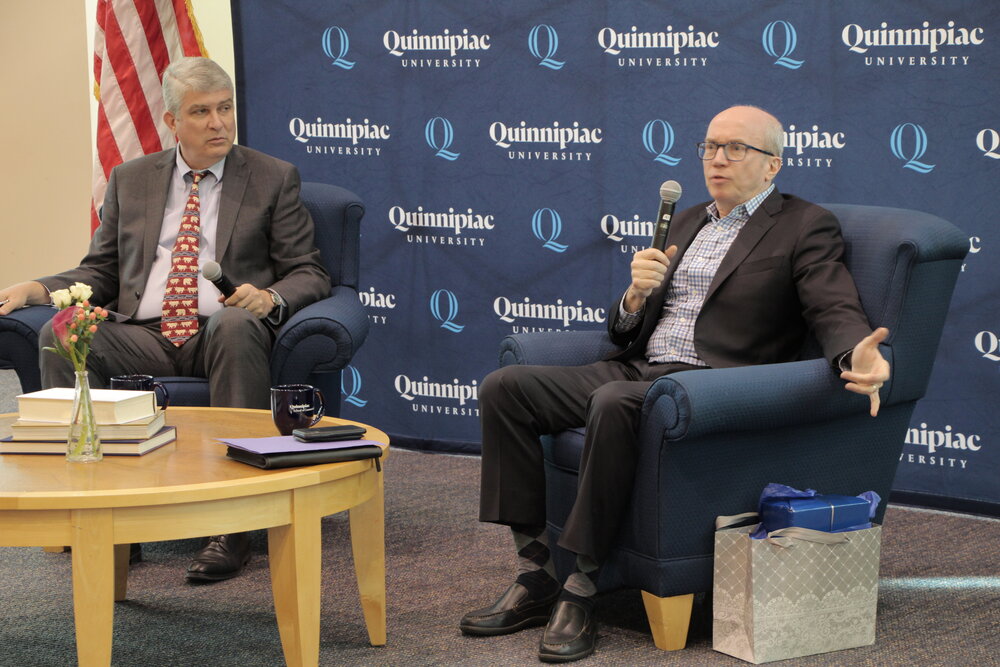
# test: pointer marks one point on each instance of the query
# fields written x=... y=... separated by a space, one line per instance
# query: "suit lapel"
x=157 y=186
x=759 y=223
x=234 y=184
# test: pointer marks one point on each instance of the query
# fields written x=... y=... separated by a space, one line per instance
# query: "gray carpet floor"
x=939 y=597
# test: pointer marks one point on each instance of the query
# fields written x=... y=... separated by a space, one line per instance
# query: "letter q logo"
x=329 y=48
x=988 y=345
x=988 y=141
x=350 y=388
x=448 y=313
x=447 y=136
x=919 y=147
x=552 y=39
x=789 y=41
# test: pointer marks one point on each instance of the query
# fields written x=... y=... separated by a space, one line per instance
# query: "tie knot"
x=197 y=176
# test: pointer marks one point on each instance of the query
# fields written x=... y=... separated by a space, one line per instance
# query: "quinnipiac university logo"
x=548 y=233
x=350 y=385
x=788 y=39
x=551 y=46
x=336 y=45
x=447 y=135
x=899 y=142
x=658 y=139
x=446 y=314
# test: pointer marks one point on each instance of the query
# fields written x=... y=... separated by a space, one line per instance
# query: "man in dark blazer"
x=251 y=222
x=745 y=279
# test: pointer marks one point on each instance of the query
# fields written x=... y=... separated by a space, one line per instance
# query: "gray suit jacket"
x=264 y=235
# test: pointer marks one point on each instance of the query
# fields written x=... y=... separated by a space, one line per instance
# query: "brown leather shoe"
x=571 y=633
x=525 y=604
x=223 y=557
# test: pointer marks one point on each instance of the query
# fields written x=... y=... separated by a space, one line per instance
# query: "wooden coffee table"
x=188 y=489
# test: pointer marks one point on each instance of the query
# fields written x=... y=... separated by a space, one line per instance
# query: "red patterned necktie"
x=180 y=301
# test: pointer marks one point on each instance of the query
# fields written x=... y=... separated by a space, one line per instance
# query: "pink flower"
x=92 y=328
x=74 y=338
x=62 y=322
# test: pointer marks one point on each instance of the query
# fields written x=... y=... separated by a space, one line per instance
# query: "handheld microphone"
x=213 y=272
x=670 y=192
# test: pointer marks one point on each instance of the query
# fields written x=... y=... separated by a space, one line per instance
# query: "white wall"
x=46 y=127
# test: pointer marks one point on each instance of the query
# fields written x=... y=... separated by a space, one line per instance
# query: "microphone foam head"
x=211 y=270
x=670 y=191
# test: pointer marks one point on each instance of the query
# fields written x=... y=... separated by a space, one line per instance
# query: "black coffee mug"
x=141 y=383
x=296 y=406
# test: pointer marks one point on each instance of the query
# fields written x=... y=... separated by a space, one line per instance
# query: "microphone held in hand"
x=670 y=192
x=213 y=272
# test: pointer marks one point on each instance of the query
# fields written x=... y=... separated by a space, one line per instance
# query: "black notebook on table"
x=306 y=458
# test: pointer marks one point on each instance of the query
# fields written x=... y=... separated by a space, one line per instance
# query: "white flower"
x=80 y=292
x=61 y=298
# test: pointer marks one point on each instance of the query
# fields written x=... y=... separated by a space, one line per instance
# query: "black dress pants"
x=517 y=404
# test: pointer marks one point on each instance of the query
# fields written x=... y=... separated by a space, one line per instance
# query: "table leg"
x=294 y=556
x=368 y=545
x=93 y=585
x=122 y=553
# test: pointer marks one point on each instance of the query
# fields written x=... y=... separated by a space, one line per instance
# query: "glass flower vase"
x=84 y=442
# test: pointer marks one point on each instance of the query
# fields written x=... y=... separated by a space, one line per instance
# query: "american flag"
x=135 y=40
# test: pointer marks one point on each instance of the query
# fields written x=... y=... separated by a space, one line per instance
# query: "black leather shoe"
x=571 y=633
x=525 y=604
x=222 y=558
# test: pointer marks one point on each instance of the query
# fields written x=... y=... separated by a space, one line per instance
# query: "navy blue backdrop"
x=510 y=153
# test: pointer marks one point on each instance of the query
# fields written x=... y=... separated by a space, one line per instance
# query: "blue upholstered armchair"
x=311 y=347
x=710 y=440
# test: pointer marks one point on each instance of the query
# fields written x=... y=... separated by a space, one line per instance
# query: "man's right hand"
x=649 y=266
x=21 y=295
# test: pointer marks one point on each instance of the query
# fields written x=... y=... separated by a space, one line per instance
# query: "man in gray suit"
x=251 y=222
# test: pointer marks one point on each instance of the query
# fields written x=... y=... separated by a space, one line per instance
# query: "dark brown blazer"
x=264 y=235
x=783 y=277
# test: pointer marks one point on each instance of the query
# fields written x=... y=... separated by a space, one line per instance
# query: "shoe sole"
x=531 y=622
x=546 y=657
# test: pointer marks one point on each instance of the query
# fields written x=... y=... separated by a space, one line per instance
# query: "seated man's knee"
x=607 y=396
x=502 y=381
x=238 y=327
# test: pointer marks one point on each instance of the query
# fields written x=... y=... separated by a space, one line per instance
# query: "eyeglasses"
x=734 y=150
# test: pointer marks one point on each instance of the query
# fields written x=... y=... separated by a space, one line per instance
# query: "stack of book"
x=129 y=423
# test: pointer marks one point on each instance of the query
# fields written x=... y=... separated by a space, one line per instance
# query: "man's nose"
x=214 y=119
x=720 y=156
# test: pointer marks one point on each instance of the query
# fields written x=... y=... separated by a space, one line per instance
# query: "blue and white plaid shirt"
x=673 y=339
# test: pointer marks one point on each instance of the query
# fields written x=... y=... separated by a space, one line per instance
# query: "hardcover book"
x=111 y=406
x=166 y=435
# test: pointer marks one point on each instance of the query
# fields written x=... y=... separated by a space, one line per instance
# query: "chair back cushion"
x=336 y=214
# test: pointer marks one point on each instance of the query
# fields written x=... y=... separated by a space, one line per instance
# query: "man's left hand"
x=257 y=301
x=869 y=370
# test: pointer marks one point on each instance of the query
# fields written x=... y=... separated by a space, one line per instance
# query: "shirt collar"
x=183 y=168
x=744 y=210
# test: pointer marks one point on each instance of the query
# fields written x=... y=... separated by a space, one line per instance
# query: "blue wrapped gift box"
x=829 y=513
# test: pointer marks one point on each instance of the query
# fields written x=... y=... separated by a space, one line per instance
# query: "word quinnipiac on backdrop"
x=509 y=158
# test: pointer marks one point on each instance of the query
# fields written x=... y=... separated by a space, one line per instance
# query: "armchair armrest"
x=320 y=338
x=556 y=348
x=752 y=398
x=19 y=343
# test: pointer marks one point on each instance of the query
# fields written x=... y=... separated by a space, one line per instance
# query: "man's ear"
x=171 y=121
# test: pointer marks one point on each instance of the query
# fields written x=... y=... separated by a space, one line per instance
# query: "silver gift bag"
x=798 y=592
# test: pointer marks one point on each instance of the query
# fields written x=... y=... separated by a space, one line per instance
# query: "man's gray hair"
x=202 y=75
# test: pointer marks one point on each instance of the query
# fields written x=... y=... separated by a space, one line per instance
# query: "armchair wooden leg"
x=668 y=619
